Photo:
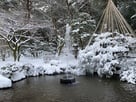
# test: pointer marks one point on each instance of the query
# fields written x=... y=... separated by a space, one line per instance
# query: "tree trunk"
x=15 y=54
x=69 y=10
x=18 y=54
x=81 y=43
x=28 y=7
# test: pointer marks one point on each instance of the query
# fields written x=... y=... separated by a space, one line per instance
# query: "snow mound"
x=5 y=82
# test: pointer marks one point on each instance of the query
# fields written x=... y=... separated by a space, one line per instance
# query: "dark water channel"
x=48 y=89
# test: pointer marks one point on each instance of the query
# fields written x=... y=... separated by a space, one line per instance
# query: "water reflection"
x=48 y=89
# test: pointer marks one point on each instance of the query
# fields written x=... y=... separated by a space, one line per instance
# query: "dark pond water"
x=48 y=89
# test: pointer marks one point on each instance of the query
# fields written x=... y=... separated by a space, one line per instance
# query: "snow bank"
x=105 y=55
x=5 y=82
x=27 y=67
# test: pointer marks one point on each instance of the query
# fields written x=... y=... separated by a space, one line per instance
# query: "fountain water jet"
x=67 y=56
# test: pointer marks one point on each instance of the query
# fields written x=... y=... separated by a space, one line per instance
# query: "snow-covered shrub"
x=5 y=70
x=9 y=69
x=41 y=70
x=31 y=70
x=13 y=71
x=128 y=70
x=18 y=72
x=105 y=54
x=129 y=75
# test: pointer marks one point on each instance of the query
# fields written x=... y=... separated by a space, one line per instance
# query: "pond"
x=87 y=89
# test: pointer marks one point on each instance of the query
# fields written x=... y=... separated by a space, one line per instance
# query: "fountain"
x=67 y=79
x=67 y=49
x=67 y=56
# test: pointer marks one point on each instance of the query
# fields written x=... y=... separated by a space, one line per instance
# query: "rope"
x=111 y=21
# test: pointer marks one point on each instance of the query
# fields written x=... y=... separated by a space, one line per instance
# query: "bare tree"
x=15 y=40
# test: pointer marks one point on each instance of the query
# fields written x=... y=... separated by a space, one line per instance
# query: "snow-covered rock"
x=5 y=82
x=18 y=75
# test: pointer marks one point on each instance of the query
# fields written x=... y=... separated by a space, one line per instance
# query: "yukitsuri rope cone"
x=112 y=21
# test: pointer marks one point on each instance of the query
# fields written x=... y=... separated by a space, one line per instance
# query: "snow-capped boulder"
x=18 y=75
x=5 y=82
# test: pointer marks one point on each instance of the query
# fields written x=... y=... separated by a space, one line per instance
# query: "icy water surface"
x=48 y=89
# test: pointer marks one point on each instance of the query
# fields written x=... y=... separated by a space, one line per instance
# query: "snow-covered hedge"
x=105 y=56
